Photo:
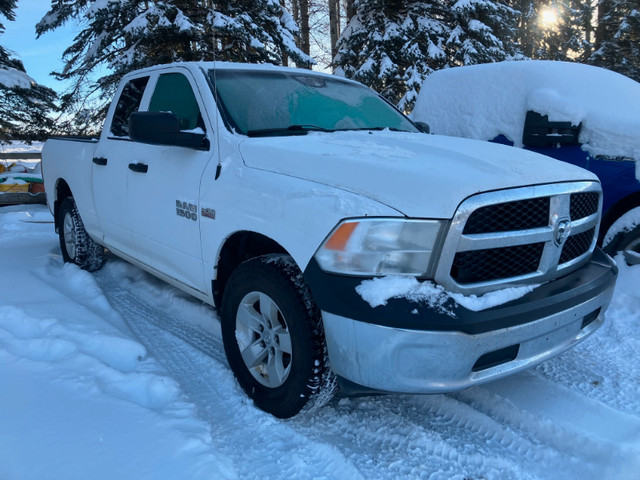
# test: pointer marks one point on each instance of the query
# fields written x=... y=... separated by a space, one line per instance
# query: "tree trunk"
x=283 y=55
x=351 y=11
x=305 y=43
x=587 y=27
x=524 y=34
x=602 y=33
x=334 y=25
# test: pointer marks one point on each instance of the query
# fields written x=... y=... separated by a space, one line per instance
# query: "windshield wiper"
x=290 y=130
x=376 y=129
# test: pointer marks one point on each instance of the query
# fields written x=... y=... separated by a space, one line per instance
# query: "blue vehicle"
x=575 y=113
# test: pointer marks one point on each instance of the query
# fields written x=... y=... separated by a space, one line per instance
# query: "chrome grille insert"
x=509 y=216
x=520 y=236
x=583 y=204
x=492 y=264
x=577 y=245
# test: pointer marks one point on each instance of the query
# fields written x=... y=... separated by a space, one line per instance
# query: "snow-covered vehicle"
x=580 y=114
x=340 y=243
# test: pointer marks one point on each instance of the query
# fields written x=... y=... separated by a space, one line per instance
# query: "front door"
x=164 y=187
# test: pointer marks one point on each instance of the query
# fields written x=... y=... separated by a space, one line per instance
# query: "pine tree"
x=24 y=105
x=392 y=45
x=528 y=34
x=483 y=31
x=618 y=37
x=566 y=39
x=123 y=35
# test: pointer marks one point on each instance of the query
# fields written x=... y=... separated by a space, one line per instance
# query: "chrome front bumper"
x=420 y=361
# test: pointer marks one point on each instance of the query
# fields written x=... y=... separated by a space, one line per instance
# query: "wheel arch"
x=62 y=191
x=236 y=249
x=621 y=207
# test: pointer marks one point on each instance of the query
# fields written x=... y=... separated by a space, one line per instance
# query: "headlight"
x=380 y=247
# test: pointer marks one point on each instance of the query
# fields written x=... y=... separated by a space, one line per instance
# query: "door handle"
x=100 y=161
x=139 y=167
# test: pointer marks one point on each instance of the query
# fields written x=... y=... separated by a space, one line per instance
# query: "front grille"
x=576 y=245
x=509 y=216
x=496 y=263
x=583 y=204
x=515 y=237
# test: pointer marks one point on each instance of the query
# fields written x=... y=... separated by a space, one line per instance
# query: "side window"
x=173 y=94
x=540 y=132
x=128 y=103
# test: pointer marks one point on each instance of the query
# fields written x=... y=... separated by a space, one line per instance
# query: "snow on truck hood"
x=422 y=176
x=484 y=101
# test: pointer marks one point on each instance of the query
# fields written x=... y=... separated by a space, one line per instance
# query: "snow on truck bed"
x=115 y=375
x=484 y=101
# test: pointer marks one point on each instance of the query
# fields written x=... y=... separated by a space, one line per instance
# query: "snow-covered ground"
x=115 y=375
x=21 y=147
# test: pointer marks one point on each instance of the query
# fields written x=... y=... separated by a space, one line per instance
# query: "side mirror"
x=163 y=128
x=423 y=127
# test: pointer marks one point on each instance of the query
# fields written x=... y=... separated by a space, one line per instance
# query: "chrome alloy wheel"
x=69 y=228
x=263 y=339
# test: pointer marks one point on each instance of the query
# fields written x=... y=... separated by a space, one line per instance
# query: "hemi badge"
x=209 y=213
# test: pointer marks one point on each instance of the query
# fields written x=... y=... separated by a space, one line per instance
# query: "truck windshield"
x=263 y=103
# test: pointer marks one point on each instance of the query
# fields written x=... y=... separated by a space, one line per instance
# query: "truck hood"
x=423 y=176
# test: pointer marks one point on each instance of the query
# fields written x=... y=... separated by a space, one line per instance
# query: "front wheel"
x=274 y=339
x=624 y=236
x=627 y=242
x=75 y=243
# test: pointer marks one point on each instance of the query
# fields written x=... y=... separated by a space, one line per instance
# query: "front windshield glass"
x=267 y=103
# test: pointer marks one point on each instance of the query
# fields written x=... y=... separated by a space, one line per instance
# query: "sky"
x=40 y=56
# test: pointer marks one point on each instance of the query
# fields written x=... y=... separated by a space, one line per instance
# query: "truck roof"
x=198 y=66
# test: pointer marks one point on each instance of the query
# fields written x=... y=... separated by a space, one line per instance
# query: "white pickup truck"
x=277 y=194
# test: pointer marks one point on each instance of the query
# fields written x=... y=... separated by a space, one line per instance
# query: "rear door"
x=110 y=171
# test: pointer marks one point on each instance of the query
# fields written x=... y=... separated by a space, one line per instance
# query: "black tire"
x=75 y=243
x=291 y=373
x=627 y=242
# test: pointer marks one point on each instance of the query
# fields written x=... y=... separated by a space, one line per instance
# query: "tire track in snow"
x=397 y=435
x=259 y=445
x=605 y=367
x=376 y=439
x=392 y=434
x=439 y=436
x=589 y=372
x=476 y=434
x=604 y=440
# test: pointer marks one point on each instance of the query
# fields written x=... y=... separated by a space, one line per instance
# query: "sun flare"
x=548 y=17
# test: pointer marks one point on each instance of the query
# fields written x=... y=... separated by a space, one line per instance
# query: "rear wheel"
x=274 y=339
x=75 y=243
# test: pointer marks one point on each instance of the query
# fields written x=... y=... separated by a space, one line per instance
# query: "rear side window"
x=540 y=132
x=173 y=94
x=128 y=103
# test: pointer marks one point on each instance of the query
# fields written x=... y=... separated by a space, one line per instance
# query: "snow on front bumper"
x=392 y=358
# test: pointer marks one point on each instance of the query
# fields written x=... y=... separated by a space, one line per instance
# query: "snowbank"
x=20 y=147
x=484 y=101
x=81 y=396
